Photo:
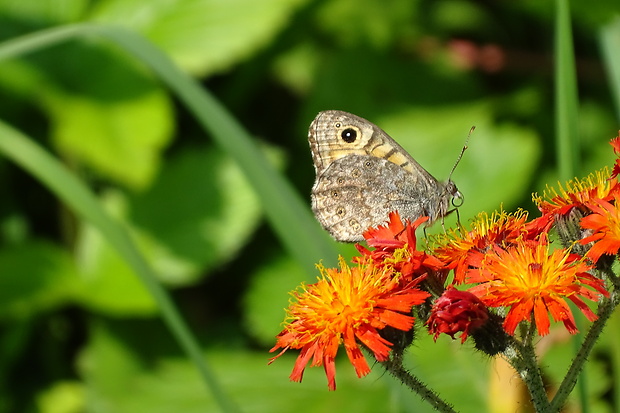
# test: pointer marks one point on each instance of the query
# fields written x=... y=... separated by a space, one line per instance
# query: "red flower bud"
x=456 y=311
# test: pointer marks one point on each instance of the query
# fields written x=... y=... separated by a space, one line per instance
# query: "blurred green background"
x=79 y=331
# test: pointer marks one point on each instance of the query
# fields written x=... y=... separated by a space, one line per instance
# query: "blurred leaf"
x=201 y=210
x=296 y=68
x=558 y=351
x=108 y=283
x=36 y=276
x=116 y=120
x=267 y=297
x=105 y=113
x=48 y=11
x=461 y=16
x=197 y=215
x=202 y=36
x=14 y=343
x=119 y=380
x=62 y=397
x=283 y=206
x=455 y=371
x=120 y=139
x=385 y=85
x=367 y=22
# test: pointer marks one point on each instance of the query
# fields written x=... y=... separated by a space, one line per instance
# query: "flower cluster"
x=353 y=304
x=506 y=271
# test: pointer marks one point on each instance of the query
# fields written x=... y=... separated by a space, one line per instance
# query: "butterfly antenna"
x=462 y=152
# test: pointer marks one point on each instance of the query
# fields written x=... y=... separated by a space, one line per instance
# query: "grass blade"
x=610 y=46
x=32 y=158
x=566 y=98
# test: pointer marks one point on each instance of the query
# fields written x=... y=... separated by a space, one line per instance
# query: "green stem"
x=606 y=309
x=395 y=367
x=566 y=100
x=523 y=359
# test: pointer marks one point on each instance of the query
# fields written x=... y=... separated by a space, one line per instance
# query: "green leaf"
x=107 y=282
x=50 y=11
x=115 y=120
x=201 y=210
x=35 y=277
x=120 y=378
x=197 y=215
x=202 y=36
x=267 y=297
x=62 y=397
x=121 y=139
x=445 y=366
x=376 y=23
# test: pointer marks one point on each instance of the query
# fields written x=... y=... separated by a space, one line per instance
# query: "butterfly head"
x=455 y=195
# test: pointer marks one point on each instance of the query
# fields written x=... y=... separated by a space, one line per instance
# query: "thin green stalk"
x=610 y=46
x=34 y=159
x=523 y=359
x=606 y=308
x=566 y=113
x=566 y=98
x=395 y=367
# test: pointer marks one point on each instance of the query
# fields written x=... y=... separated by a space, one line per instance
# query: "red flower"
x=457 y=311
x=347 y=306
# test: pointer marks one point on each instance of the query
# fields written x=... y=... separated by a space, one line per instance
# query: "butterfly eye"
x=349 y=135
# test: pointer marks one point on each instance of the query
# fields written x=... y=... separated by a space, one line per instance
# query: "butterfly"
x=362 y=175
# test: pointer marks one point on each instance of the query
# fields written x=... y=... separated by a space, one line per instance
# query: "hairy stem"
x=523 y=359
x=606 y=308
x=395 y=367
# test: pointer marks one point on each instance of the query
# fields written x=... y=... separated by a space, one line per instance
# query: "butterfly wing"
x=330 y=137
x=359 y=191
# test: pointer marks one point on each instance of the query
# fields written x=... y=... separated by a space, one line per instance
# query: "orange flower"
x=500 y=228
x=532 y=282
x=395 y=245
x=605 y=222
x=348 y=306
x=577 y=194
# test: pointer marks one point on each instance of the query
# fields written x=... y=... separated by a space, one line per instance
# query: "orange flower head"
x=577 y=194
x=500 y=228
x=531 y=282
x=347 y=306
x=605 y=224
x=395 y=245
